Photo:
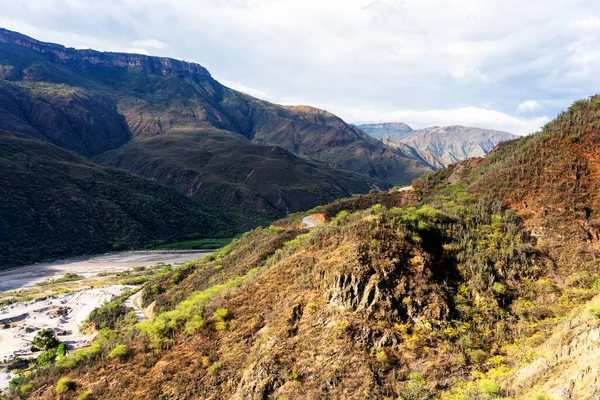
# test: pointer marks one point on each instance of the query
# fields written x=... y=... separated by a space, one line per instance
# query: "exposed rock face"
x=569 y=367
x=401 y=290
x=353 y=293
x=394 y=131
x=445 y=145
x=155 y=65
x=439 y=146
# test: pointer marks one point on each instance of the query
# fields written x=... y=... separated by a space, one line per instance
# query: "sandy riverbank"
x=29 y=275
x=64 y=313
x=20 y=322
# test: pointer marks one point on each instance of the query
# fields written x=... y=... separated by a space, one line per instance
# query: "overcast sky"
x=500 y=64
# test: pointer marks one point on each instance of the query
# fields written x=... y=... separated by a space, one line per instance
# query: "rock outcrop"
x=155 y=65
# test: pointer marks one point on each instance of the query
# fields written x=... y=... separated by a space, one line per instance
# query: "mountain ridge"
x=122 y=109
x=442 y=145
x=155 y=64
x=482 y=282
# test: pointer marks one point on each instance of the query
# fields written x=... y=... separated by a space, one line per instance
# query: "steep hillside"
x=382 y=301
x=483 y=283
x=168 y=120
x=440 y=146
x=56 y=203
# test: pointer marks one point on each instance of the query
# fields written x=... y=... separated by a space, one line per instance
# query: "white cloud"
x=469 y=116
x=245 y=89
x=529 y=106
x=439 y=55
x=150 y=43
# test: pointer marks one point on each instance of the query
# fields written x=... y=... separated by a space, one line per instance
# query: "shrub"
x=136 y=280
x=63 y=385
x=69 y=277
x=46 y=358
x=25 y=389
x=295 y=374
x=381 y=356
x=61 y=350
x=84 y=395
x=341 y=216
x=215 y=367
x=14 y=382
x=594 y=307
x=80 y=356
x=120 y=351
x=220 y=314
x=110 y=315
x=489 y=389
x=221 y=326
x=45 y=340
x=415 y=388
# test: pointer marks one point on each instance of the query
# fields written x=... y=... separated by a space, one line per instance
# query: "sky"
x=499 y=64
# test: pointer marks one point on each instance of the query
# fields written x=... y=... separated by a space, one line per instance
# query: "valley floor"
x=89 y=267
x=36 y=298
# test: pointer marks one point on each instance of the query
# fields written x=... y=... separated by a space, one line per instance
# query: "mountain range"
x=482 y=282
x=440 y=146
x=231 y=160
x=244 y=159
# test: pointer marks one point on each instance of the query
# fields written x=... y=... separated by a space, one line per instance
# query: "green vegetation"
x=137 y=280
x=45 y=340
x=26 y=389
x=46 y=358
x=112 y=314
x=594 y=307
x=456 y=291
x=116 y=116
x=69 y=277
x=85 y=208
x=188 y=315
x=16 y=382
x=63 y=385
x=120 y=351
x=197 y=244
x=415 y=388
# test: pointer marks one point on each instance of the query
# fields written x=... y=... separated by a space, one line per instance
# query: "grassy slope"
x=57 y=203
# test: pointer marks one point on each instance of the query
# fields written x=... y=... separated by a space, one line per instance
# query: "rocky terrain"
x=440 y=146
x=481 y=282
x=394 y=131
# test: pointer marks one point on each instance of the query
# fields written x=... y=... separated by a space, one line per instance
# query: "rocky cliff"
x=155 y=65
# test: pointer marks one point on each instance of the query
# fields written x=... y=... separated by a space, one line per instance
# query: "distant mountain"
x=440 y=146
x=168 y=120
x=390 y=130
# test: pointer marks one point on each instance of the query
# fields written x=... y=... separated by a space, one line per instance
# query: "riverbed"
x=29 y=275
x=64 y=313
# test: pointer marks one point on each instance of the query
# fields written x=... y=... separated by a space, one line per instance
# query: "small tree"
x=45 y=340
